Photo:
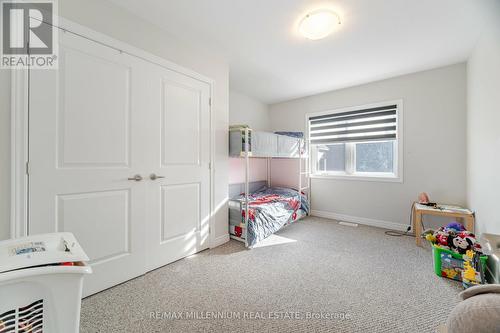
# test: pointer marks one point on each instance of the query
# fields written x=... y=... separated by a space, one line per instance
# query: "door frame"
x=19 y=215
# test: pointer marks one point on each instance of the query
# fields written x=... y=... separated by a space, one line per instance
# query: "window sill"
x=359 y=177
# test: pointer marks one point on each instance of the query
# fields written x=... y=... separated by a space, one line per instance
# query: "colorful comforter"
x=271 y=209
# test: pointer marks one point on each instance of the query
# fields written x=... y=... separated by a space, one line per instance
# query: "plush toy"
x=428 y=234
x=455 y=226
x=477 y=247
x=443 y=236
x=442 y=239
x=430 y=238
x=471 y=238
x=423 y=198
x=459 y=244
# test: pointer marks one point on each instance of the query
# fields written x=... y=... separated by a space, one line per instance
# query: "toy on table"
x=423 y=198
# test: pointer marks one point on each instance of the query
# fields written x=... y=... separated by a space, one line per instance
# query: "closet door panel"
x=85 y=142
x=179 y=203
x=181 y=122
x=181 y=210
x=94 y=117
x=105 y=214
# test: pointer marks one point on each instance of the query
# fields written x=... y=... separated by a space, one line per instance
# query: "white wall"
x=434 y=143
x=4 y=154
x=118 y=23
x=483 y=127
x=245 y=110
x=257 y=170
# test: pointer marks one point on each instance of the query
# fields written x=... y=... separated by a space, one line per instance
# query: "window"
x=361 y=142
x=331 y=157
x=375 y=157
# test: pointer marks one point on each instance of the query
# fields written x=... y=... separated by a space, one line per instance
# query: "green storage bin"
x=455 y=259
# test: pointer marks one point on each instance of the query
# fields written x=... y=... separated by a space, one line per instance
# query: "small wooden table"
x=442 y=210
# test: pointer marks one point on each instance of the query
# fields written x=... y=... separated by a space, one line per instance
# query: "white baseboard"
x=360 y=220
x=219 y=241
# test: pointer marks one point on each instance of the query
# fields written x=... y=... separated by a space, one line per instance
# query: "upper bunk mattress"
x=264 y=144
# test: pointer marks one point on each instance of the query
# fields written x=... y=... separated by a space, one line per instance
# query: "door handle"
x=136 y=178
x=155 y=177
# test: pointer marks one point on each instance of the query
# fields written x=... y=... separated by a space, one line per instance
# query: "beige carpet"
x=315 y=275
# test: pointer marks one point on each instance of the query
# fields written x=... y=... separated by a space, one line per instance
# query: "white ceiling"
x=268 y=60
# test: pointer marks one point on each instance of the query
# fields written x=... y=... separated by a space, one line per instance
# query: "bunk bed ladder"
x=304 y=170
x=247 y=180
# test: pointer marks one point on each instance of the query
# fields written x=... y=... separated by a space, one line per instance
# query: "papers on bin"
x=39 y=250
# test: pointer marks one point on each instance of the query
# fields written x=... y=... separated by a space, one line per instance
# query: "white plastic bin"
x=41 y=279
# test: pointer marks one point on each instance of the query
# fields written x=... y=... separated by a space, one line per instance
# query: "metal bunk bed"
x=247 y=154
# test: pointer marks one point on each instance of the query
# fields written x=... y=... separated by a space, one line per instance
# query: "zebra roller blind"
x=370 y=124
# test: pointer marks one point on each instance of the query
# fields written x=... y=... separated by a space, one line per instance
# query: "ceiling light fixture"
x=318 y=24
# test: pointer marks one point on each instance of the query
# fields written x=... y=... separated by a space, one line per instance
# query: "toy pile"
x=453 y=237
x=457 y=254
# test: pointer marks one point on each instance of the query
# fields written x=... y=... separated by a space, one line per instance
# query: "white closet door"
x=87 y=136
x=100 y=119
x=178 y=205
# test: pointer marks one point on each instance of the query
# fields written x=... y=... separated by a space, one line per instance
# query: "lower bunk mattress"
x=270 y=209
